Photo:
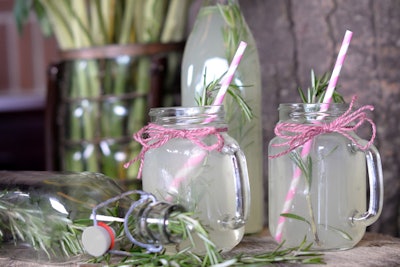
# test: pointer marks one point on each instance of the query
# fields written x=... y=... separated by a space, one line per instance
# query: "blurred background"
x=293 y=37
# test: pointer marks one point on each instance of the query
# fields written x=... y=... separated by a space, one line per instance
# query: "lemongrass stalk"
x=138 y=112
x=174 y=31
x=89 y=114
x=97 y=26
x=71 y=161
x=175 y=22
x=108 y=9
x=80 y=23
x=108 y=162
x=122 y=69
x=60 y=22
x=154 y=13
x=148 y=26
x=126 y=23
x=138 y=21
x=108 y=15
x=101 y=13
x=113 y=124
x=65 y=21
x=87 y=84
x=118 y=15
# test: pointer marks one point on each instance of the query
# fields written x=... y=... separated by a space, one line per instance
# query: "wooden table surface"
x=373 y=250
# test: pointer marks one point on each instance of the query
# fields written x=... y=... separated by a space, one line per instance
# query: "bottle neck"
x=188 y=117
x=155 y=223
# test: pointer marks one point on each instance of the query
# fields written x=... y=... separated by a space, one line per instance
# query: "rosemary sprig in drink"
x=210 y=91
x=316 y=93
x=306 y=168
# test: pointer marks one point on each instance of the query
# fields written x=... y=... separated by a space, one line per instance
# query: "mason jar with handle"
x=189 y=159
x=318 y=173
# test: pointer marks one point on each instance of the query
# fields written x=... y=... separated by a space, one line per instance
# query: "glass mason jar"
x=98 y=97
x=218 y=29
x=318 y=190
x=200 y=167
x=64 y=203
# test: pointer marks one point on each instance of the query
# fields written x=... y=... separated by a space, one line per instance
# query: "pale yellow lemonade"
x=202 y=65
x=211 y=188
x=338 y=194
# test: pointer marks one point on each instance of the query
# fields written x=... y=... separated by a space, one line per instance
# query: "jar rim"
x=188 y=110
x=313 y=107
x=188 y=116
x=337 y=105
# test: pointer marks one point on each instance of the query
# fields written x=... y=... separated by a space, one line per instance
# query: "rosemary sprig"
x=306 y=168
x=210 y=91
x=305 y=165
x=316 y=93
x=24 y=220
x=300 y=254
x=24 y=217
x=184 y=224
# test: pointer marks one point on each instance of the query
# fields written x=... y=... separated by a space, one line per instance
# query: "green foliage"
x=316 y=93
x=52 y=232
x=38 y=225
x=210 y=92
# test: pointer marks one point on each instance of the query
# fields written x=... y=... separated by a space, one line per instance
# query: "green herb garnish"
x=316 y=93
x=210 y=91
x=25 y=221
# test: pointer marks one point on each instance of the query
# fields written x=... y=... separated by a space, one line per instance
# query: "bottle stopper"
x=98 y=239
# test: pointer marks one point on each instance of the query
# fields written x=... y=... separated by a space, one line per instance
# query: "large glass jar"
x=318 y=189
x=97 y=98
x=198 y=165
x=219 y=28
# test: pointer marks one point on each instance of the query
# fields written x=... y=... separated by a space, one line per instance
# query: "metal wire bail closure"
x=98 y=239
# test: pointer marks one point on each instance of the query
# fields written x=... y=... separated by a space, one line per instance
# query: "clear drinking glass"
x=211 y=183
x=321 y=195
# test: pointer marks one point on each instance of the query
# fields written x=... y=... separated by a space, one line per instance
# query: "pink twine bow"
x=154 y=136
x=299 y=134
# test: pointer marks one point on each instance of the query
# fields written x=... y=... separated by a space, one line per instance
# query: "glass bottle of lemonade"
x=217 y=32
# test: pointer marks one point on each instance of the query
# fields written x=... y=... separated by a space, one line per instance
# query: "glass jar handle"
x=375 y=177
x=242 y=189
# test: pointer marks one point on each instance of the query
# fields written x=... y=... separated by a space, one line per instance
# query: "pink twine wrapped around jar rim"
x=154 y=136
x=298 y=134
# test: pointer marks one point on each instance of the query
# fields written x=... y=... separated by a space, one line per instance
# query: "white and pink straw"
x=226 y=80
x=307 y=146
x=198 y=156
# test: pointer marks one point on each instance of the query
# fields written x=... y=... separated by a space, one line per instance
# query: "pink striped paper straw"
x=338 y=66
x=226 y=80
x=307 y=146
x=198 y=157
